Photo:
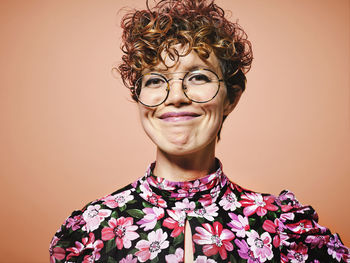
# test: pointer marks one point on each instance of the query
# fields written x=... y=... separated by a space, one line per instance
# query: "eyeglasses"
x=201 y=85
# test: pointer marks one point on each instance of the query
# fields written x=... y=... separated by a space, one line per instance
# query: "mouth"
x=178 y=116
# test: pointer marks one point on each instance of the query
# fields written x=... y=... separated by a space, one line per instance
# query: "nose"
x=176 y=95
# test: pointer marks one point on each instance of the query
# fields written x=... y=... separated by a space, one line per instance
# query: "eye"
x=198 y=78
x=154 y=82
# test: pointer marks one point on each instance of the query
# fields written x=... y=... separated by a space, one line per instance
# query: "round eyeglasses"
x=201 y=85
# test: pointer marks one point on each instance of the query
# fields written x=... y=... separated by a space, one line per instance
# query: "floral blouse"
x=144 y=222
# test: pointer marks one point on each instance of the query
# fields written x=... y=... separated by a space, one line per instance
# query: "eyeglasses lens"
x=199 y=86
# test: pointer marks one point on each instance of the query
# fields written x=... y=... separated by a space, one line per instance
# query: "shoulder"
x=287 y=226
x=284 y=206
x=302 y=237
x=79 y=237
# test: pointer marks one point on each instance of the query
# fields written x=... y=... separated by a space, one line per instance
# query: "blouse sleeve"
x=71 y=242
x=302 y=239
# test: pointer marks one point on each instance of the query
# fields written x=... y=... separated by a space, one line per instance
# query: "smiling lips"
x=178 y=116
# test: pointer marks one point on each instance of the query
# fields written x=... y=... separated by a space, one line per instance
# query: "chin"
x=185 y=149
x=183 y=140
x=177 y=150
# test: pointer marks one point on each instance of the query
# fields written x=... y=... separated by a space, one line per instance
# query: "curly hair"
x=199 y=24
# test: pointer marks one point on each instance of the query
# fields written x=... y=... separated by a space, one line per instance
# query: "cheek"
x=213 y=121
x=144 y=117
x=215 y=108
x=147 y=121
x=215 y=113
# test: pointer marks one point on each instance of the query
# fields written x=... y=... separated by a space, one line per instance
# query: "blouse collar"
x=153 y=187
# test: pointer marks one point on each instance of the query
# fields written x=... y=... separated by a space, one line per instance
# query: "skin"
x=186 y=146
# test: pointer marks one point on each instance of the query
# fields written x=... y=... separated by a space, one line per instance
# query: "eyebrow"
x=164 y=71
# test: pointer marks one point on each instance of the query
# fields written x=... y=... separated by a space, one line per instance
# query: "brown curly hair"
x=199 y=24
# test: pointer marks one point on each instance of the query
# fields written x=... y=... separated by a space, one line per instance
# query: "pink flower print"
x=96 y=246
x=122 y=229
x=239 y=224
x=75 y=223
x=256 y=203
x=194 y=187
x=208 y=212
x=286 y=208
x=223 y=180
x=88 y=259
x=75 y=251
x=129 y=259
x=152 y=215
x=274 y=228
x=229 y=201
x=93 y=216
x=287 y=196
x=134 y=184
x=185 y=205
x=149 y=249
x=286 y=216
x=317 y=241
x=336 y=249
x=118 y=200
x=297 y=253
x=87 y=243
x=245 y=252
x=190 y=188
x=300 y=227
x=160 y=183
x=215 y=239
x=214 y=192
x=176 y=221
x=321 y=228
x=211 y=179
x=208 y=199
x=260 y=245
x=236 y=187
x=151 y=197
x=204 y=259
x=178 y=257
x=284 y=258
x=56 y=252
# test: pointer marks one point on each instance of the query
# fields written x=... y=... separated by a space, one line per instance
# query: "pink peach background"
x=69 y=133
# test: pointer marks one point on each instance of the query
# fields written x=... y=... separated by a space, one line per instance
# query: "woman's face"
x=179 y=126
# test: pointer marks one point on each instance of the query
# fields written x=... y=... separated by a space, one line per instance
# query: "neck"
x=185 y=167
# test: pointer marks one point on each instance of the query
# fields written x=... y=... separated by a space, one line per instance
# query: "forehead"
x=179 y=58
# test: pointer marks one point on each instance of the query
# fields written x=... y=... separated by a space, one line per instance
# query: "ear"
x=229 y=106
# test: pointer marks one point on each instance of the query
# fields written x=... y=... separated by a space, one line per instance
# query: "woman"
x=185 y=65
